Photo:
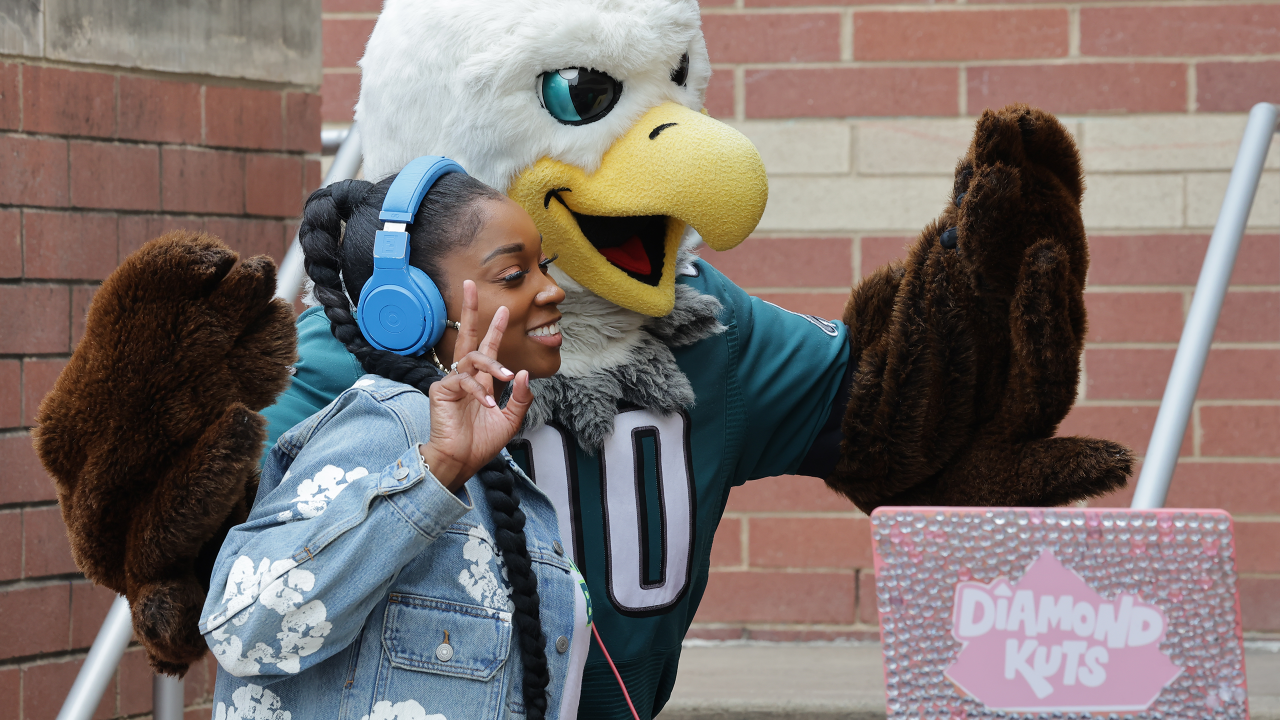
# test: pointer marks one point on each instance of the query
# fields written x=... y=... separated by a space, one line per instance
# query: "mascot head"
x=584 y=112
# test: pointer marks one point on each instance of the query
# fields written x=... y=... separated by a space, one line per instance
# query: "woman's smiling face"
x=506 y=263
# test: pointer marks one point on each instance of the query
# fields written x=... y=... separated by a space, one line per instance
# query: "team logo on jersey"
x=826 y=326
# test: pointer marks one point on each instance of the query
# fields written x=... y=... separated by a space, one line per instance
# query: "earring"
x=453 y=324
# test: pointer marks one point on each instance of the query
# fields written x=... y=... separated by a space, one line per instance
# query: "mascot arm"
x=295 y=554
x=151 y=434
x=967 y=353
x=790 y=370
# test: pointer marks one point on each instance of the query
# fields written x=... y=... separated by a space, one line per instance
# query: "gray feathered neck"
x=615 y=357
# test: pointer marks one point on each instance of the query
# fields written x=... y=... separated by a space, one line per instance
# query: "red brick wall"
x=792 y=560
x=808 y=58
x=93 y=163
x=785 y=59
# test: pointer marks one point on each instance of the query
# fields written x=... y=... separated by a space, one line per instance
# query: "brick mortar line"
x=132 y=142
x=49 y=658
x=28 y=505
x=1173 y=345
x=349 y=15
x=1010 y=7
x=1230 y=460
x=847 y=49
x=722 y=625
x=60 y=656
x=172 y=214
x=32 y=356
x=757 y=570
x=1059 y=61
x=1172 y=289
x=852 y=514
x=19 y=584
x=189 y=78
x=909 y=236
x=939 y=174
x=1092 y=290
x=1107 y=402
x=1271 y=518
x=798 y=290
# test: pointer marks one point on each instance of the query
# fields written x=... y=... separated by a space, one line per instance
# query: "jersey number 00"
x=647 y=496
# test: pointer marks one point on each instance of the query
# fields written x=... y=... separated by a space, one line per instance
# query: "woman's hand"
x=467 y=426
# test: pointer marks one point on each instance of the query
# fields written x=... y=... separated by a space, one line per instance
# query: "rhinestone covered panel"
x=1182 y=561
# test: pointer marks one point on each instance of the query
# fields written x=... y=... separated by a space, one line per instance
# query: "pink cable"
x=612 y=667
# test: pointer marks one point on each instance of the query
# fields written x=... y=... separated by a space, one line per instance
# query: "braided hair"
x=340 y=262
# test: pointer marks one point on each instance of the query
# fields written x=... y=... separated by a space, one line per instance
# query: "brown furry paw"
x=166 y=616
x=963 y=377
x=1020 y=183
x=150 y=433
x=1063 y=470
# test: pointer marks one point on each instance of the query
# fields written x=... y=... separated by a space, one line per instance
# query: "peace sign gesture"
x=467 y=426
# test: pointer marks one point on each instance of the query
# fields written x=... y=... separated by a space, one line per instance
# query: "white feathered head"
x=583 y=112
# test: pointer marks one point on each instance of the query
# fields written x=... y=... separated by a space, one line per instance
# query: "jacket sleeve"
x=295 y=584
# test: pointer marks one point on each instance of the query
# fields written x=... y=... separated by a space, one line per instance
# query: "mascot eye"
x=577 y=96
x=680 y=75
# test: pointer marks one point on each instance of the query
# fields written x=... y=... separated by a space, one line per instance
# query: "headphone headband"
x=400 y=309
x=411 y=185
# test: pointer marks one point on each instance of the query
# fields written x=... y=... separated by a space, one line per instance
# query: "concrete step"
x=739 y=680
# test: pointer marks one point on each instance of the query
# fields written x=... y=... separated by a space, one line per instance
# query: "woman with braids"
x=396 y=563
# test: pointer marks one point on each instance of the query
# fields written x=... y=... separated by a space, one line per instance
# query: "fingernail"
x=949 y=238
x=488 y=400
x=506 y=372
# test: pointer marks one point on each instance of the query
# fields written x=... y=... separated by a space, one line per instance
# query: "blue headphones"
x=400 y=309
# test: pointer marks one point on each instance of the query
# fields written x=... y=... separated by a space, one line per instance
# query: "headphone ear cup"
x=392 y=316
x=432 y=304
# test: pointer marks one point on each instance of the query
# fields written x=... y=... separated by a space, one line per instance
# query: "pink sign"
x=1051 y=642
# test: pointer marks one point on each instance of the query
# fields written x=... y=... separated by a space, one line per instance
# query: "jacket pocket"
x=447 y=638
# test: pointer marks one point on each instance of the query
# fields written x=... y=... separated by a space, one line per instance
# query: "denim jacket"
x=360 y=588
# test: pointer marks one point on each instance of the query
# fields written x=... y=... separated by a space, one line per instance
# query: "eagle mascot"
x=943 y=385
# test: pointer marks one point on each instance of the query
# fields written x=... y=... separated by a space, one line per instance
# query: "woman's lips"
x=548 y=334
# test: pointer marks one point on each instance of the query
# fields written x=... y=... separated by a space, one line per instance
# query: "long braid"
x=499 y=484
x=321 y=237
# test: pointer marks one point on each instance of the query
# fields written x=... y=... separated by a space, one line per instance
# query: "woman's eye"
x=513 y=276
x=680 y=75
x=546 y=262
x=577 y=96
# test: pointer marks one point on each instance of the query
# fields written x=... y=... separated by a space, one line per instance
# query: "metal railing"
x=117 y=629
x=1202 y=318
x=346 y=163
x=1157 y=468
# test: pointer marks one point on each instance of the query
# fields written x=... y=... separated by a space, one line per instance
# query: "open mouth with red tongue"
x=633 y=244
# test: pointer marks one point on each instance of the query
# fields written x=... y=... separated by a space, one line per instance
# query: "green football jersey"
x=639 y=517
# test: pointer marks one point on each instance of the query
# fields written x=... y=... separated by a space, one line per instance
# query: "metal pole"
x=1197 y=334
x=166 y=697
x=100 y=665
x=346 y=163
x=331 y=140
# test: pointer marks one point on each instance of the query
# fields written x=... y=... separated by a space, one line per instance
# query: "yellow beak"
x=617 y=230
